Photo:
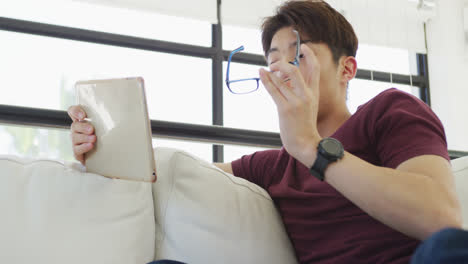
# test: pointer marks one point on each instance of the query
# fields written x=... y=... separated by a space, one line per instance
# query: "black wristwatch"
x=328 y=150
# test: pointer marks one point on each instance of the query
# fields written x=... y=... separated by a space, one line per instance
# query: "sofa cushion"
x=51 y=213
x=204 y=215
x=460 y=171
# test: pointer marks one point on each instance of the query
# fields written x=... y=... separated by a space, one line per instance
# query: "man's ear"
x=348 y=68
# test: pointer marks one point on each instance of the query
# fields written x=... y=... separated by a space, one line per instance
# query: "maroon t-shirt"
x=322 y=224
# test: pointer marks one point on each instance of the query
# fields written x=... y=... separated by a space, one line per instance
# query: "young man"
x=392 y=185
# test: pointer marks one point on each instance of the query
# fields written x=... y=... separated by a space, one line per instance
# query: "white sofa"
x=56 y=213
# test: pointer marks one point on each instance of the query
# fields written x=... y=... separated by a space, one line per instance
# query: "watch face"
x=332 y=147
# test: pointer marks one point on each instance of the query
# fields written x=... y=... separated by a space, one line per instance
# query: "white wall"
x=448 y=71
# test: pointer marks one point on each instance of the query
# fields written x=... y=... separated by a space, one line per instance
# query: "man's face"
x=283 y=47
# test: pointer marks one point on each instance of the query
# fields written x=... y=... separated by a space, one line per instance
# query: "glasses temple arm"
x=241 y=48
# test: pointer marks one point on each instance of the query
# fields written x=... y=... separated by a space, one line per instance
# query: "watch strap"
x=320 y=164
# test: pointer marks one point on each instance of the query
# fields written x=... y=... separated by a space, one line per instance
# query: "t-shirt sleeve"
x=256 y=167
x=404 y=128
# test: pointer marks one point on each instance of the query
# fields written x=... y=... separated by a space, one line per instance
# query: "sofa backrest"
x=51 y=213
x=460 y=171
x=204 y=215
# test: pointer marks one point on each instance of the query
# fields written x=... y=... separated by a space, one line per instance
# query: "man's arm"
x=226 y=167
x=418 y=198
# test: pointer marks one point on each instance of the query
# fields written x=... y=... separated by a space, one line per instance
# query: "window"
x=233 y=152
x=254 y=111
x=80 y=14
x=234 y=37
x=380 y=59
x=198 y=149
x=34 y=142
x=41 y=72
x=385 y=59
x=361 y=91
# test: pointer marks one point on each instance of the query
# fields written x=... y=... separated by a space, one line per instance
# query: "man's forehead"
x=284 y=36
x=275 y=48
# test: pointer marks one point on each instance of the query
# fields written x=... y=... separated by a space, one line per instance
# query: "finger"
x=79 y=150
x=76 y=113
x=293 y=73
x=82 y=127
x=285 y=68
x=78 y=139
x=274 y=92
x=283 y=86
x=80 y=158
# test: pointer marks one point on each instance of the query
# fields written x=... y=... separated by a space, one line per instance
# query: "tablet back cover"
x=118 y=111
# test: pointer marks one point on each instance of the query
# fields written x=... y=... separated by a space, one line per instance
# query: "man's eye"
x=301 y=56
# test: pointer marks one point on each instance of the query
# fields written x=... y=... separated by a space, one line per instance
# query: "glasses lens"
x=244 y=86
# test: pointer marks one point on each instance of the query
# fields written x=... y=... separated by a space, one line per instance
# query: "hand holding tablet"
x=117 y=110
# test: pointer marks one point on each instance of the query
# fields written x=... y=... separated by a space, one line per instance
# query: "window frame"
x=216 y=133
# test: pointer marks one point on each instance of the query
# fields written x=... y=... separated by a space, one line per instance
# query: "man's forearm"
x=411 y=203
x=226 y=167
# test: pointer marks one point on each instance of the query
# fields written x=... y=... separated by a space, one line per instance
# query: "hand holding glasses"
x=249 y=85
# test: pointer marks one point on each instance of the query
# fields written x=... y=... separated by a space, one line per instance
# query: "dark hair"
x=317 y=22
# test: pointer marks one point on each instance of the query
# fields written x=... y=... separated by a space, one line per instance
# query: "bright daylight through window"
x=179 y=88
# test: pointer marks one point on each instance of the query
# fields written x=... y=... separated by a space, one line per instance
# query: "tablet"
x=118 y=111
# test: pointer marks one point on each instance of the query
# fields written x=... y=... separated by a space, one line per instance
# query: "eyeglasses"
x=249 y=85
